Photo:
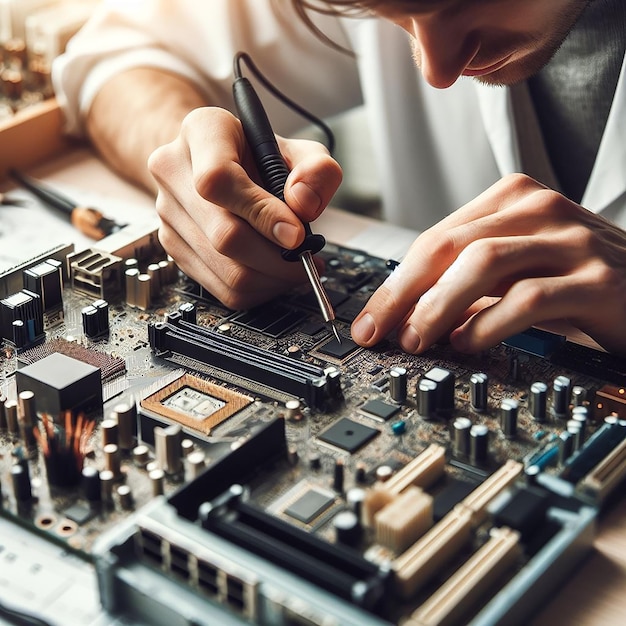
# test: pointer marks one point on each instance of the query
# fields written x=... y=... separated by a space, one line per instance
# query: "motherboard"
x=244 y=467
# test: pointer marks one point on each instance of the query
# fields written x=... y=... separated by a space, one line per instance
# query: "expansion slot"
x=300 y=379
x=607 y=475
x=450 y=603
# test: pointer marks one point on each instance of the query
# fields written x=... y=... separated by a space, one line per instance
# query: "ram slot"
x=432 y=552
x=246 y=361
x=478 y=500
x=607 y=475
x=460 y=593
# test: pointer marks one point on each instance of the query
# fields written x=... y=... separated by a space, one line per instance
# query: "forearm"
x=136 y=112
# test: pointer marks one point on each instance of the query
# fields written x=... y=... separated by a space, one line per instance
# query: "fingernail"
x=306 y=197
x=409 y=339
x=286 y=234
x=363 y=329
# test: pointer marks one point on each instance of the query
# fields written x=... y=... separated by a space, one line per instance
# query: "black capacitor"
x=90 y=484
x=89 y=316
x=361 y=473
x=427 y=398
x=20 y=477
x=398 y=384
x=102 y=306
x=561 y=390
x=579 y=395
x=538 y=401
x=479 y=444
x=348 y=529
x=479 y=383
x=338 y=476
x=461 y=436
x=566 y=446
x=508 y=417
x=445 y=389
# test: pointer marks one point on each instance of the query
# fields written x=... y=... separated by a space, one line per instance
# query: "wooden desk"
x=595 y=594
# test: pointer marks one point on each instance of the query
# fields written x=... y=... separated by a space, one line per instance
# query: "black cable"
x=245 y=57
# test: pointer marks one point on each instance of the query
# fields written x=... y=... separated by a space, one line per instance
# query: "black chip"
x=309 y=301
x=339 y=350
x=348 y=435
x=312 y=328
x=380 y=409
x=310 y=505
x=78 y=513
x=524 y=511
x=450 y=496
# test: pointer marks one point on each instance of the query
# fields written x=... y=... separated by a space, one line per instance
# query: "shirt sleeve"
x=197 y=39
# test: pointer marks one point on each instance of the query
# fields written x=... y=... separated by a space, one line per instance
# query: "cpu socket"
x=196 y=403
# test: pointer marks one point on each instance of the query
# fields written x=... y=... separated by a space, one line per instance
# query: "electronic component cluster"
x=244 y=467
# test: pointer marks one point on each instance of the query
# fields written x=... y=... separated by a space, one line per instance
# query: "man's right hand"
x=219 y=225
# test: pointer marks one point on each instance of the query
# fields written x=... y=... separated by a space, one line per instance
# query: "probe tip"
x=335 y=331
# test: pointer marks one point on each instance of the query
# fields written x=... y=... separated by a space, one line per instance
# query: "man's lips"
x=482 y=71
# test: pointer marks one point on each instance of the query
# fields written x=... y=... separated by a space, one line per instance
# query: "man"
x=518 y=254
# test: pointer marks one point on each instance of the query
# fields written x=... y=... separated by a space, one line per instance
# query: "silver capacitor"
x=130 y=282
x=479 y=383
x=538 y=401
x=427 y=398
x=125 y=414
x=508 y=417
x=27 y=418
x=195 y=463
x=168 y=450
x=112 y=461
x=157 y=480
x=143 y=286
x=561 y=390
x=398 y=384
x=10 y=412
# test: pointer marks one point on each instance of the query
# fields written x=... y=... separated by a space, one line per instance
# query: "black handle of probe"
x=270 y=163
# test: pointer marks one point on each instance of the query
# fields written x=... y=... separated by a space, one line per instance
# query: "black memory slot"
x=297 y=378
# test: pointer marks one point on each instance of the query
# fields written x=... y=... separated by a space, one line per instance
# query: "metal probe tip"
x=335 y=331
x=323 y=300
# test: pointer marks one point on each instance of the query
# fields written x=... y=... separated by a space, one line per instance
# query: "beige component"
x=433 y=551
x=478 y=500
x=405 y=520
x=607 y=475
x=450 y=603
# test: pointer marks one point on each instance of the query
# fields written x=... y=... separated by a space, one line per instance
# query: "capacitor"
x=143 y=286
x=195 y=464
x=479 y=444
x=575 y=429
x=338 y=476
x=427 y=398
x=106 y=483
x=479 y=383
x=348 y=529
x=141 y=455
x=157 y=480
x=566 y=446
x=355 y=497
x=95 y=319
x=561 y=389
x=168 y=450
x=445 y=389
x=130 y=264
x=580 y=414
x=10 y=412
x=112 y=460
x=109 y=432
x=508 y=417
x=154 y=271
x=187 y=446
x=398 y=384
x=20 y=478
x=538 y=401
x=28 y=418
x=579 y=395
x=90 y=484
x=126 y=416
x=398 y=428
x=125 y=497
x=130 y=281
x=167 y=275
x=384 y=473
x=461 y=430
x=361 y=473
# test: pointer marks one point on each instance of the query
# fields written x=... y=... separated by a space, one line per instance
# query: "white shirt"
x=435 y=149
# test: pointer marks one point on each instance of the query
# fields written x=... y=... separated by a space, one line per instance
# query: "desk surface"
x=594 y=594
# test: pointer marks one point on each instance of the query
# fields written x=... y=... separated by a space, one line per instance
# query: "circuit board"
x=243 y=467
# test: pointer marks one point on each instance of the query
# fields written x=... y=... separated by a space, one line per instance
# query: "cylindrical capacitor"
x=398 y=384
x=89 y=316
x=561 y=389
x=508 y=417
x=461 y=436
x=195 y=463
x=112 y=460
x=479 y=444
x=575 y=429
x=427 y=398
x=167 y=276
x=157 y=480
x=125 y=496
x=479 y=383
x=141 y=455
x=102 y=307
x=187 y=446
x=580 y=414
x=90 y=484
x=348 y=529
x=144 y=291
x=355 y=498
x=538 y=401
x=126 y=417
x=109 y=431
x=360 y=473
x=106 y=483
x=154 y=271
x=20 y=477
x=130 y=281
x=566 y=446
x=445 y=389
x=168 y=449
x=28 y=417
x=338 y=476
x=10 y=412
x=579 y=395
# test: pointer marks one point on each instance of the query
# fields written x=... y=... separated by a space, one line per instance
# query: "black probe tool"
x=87 y=220
x=274 y=172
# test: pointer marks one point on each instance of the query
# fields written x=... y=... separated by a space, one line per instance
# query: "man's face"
x=500 y=42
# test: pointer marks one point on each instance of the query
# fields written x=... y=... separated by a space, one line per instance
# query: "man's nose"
x=444 y=49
